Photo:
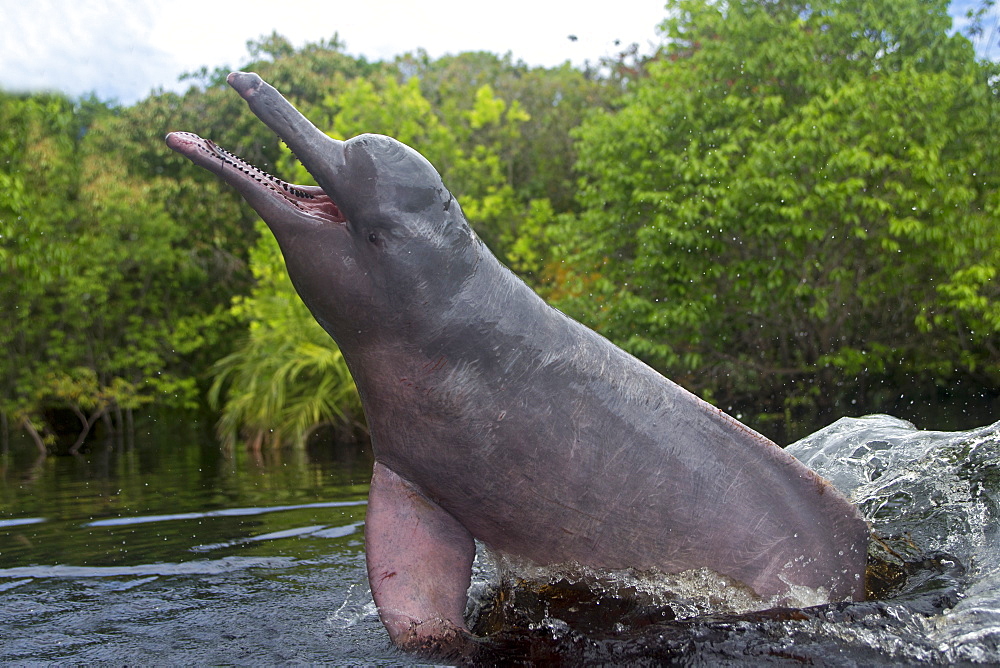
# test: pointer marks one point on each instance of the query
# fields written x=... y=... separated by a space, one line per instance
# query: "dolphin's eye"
x=372 y=237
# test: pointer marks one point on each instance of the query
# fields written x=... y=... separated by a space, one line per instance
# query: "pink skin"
x=420 y=547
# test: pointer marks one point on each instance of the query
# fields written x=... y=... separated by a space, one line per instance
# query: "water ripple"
x=225 y=512
x=319 y=531
x=196 y=567
x=21 y=521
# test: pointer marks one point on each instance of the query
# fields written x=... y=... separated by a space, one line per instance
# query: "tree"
x=537 y=160
x=89 y=278
x=797 y=207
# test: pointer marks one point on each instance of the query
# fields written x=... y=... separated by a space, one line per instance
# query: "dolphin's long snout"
x=323 y=156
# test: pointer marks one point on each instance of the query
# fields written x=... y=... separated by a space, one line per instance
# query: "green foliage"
x=119 y=258
x=799 y=196
x=88 y=269
x=789 y=207
x=536 y=151
x=287 y=378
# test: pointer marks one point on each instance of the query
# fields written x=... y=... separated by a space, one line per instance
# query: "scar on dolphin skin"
x=383 y=257
x=436 y=365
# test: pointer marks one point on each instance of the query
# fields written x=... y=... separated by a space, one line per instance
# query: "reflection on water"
x=168 y=552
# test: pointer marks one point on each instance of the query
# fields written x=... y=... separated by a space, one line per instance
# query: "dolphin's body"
x=495 y=417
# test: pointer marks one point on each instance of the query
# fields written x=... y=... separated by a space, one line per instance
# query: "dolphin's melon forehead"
x=391 y=155
x=384 y=173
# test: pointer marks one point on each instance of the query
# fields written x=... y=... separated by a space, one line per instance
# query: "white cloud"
x=124 y=48
x=78 y=47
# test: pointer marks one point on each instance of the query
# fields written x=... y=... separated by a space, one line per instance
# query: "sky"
x=124 y=49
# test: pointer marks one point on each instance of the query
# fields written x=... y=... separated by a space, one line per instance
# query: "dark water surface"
x=169 y=552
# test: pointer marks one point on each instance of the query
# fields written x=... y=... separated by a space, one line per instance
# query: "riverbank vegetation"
x=792 y=209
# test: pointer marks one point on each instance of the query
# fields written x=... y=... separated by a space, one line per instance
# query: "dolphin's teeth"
x=290 y=192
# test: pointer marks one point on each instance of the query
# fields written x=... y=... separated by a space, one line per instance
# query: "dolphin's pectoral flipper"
x=419 y=564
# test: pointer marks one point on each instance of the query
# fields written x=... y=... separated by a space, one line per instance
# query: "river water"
x=166 y=551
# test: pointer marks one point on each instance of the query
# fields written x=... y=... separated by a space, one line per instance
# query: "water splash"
x=932 y=500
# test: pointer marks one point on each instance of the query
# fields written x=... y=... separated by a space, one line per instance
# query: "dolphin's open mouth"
x=237 y=172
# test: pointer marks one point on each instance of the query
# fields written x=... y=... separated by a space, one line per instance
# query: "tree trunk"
x=35 y=436
x=89 y=422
